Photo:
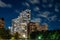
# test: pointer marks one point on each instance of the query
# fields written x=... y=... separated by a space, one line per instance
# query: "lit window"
x=14 y=24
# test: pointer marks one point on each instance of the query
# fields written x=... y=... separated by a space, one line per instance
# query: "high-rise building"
x=20 y=24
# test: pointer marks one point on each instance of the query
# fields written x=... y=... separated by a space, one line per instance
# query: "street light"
x=39 y=37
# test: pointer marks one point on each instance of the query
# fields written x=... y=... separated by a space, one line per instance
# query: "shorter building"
x=35 y=26
x=44 y=27
x=2 y=22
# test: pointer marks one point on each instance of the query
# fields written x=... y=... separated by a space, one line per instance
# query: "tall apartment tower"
x=20 y=24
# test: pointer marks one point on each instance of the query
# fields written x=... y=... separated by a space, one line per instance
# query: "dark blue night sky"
x=43 y=11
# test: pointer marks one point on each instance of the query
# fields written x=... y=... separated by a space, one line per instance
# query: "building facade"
x=35 y=26
x=2 y=22
x=20 y=24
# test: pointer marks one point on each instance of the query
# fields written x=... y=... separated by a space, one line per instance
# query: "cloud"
x=17 y=11
x=44 y=1
x=2 y=4
x=36 y=8
x=36 y=20
x=26 y=4
x=44 y=14
x=44 y=6
x=59 y=20
x=45 y=24
x=9 y=5
x=52 y=18
x=50 y=5
x=34 y=1
x=56 y=10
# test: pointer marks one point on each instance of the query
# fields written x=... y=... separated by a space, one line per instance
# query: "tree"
x=5 y=34
x=16 y=35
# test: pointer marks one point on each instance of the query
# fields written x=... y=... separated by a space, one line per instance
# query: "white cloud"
x=36 y=20
x=36 y=9
x=44 y=1
x=2 y=4
x=9 y=5
x=59 y=20
x=45 y=24
x=17 y=11
x=56 y=9
x=50 y=5
x=52 y=18
x=44 y=6
x=26 y=4
x=34 y=1
x=51 y=0
x=44 y=14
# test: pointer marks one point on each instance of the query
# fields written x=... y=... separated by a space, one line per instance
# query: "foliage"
x=5 y=33
x=16 y=35
x=45 y=35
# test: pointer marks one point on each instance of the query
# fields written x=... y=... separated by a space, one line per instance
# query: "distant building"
x=31 y=27
x=2 y=22
x=35 y=26
x=44 y=27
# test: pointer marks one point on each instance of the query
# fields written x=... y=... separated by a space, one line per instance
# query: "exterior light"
x=9 y=27
x=24 y=35
x=14 y=24
x=39 y=37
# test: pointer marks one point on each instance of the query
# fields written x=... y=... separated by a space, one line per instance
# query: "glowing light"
x=24 y=35
x=14 y=24
x=9 y=27
x=39 y=37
